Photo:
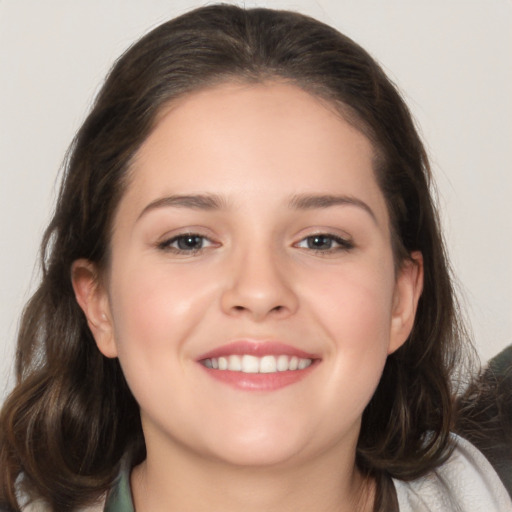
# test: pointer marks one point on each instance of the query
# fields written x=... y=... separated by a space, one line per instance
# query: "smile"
x=247 y=363
x=250 y=365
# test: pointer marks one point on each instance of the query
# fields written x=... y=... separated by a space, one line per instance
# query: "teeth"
x=303 y=363
x=234 y=363
x=252 y=364
x=282 y=363
x=268 y=364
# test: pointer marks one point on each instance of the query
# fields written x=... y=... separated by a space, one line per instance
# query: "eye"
x=188 y=243
x=323 y=242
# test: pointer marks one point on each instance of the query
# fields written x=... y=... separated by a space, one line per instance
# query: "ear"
x=408 y=288
x=93 y=299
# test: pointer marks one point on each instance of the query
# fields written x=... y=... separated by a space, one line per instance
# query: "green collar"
x=119 y=498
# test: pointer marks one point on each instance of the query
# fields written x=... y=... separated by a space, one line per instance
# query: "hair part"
x=71 y=416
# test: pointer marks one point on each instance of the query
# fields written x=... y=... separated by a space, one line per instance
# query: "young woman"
x=246 y=303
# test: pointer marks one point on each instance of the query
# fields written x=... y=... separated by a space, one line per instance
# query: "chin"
x=258 y=456
x=250 y=443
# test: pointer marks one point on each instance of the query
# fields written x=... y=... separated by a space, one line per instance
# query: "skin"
x=257 y=276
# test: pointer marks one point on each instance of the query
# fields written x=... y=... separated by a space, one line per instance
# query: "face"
x=251 y=297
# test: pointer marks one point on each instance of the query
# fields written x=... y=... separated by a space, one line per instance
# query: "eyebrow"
x=206 y=202
x=209 y=202
x=313 y=202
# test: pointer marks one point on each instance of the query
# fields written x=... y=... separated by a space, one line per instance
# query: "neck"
x=329 y=483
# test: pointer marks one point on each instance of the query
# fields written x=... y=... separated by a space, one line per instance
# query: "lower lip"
x=260 y=381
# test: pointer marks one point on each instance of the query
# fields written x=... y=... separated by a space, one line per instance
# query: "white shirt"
x=466 y=482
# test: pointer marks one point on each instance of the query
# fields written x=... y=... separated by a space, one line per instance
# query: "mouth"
x=247 y=363
x=258 y=366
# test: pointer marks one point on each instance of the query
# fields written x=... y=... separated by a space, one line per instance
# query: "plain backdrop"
x=452 y=60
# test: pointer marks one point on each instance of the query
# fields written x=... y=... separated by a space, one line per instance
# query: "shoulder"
x=484 y=414
x=466 y=482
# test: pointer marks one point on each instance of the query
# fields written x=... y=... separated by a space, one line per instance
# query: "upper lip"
x=256 y=348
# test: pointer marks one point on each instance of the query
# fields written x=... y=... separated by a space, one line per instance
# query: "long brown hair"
x=71 y=415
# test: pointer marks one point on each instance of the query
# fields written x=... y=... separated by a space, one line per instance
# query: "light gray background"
x=452 y=59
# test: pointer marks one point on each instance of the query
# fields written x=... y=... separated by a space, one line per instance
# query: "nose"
x=259 y=286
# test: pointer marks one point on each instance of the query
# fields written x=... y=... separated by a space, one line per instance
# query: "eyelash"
x=167 y=245
x=342 y=243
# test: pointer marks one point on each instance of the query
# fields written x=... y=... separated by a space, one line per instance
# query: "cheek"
x=155 y=312
x=354 y=303
x=354 y=307
x=154 y=309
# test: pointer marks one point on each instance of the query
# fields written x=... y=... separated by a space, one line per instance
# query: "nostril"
x=275 y=309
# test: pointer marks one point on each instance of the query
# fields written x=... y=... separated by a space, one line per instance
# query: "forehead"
x=239 y=139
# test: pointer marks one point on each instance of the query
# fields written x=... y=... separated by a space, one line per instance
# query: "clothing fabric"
x=466 y=482
x=486 y=415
